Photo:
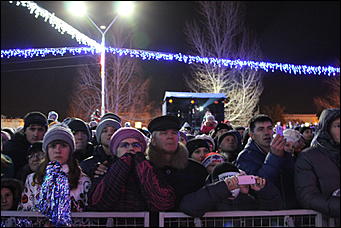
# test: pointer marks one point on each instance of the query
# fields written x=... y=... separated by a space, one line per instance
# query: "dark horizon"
x=302 y=33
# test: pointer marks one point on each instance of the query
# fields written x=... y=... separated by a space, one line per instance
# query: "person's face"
x=59 y=151
x=106 y=135
x=35 y=159
x=210 y=145
x=299 y=145
x=129 y=145
x=262 y=133
x=308 y=134
x=220 y=132
x=241 y=132
x=229 y=144
x=211 y=166
x=199 y=153
x=335 y=130
x=289 y=147
x=34 y=133
x=166 y=140
x=183 y=140
x=81 y=140
x=6 y=199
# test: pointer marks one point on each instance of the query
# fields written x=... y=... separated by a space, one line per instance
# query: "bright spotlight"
x=125 y=8
x=76 y=8
x=201 y=108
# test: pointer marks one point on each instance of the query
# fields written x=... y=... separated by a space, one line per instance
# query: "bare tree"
x=125 y=88
x=221 y=33
x=332 y=100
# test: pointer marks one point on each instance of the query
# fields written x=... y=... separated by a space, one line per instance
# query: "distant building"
x=12 y=123
x=301 y=118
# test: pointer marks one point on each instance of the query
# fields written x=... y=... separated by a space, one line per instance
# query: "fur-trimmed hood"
x=179 y=160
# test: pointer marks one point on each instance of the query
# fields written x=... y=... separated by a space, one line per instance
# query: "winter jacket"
x=79 y=198
x=317 y=170
x=81 y=155
x=184 y=175
x=214 y=197
x=89 y=165
x=17 y=149
x=278 y=170
x=131 y=184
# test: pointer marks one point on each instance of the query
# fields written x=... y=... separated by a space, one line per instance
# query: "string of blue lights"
x=189 y=59
x=95 y=48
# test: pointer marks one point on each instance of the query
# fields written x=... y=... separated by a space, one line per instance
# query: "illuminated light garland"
x=189 y=59
x=57 y=23
x=43 y=52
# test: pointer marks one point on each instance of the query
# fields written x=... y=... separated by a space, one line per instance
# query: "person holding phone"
x=264 y=156
x=225 y=191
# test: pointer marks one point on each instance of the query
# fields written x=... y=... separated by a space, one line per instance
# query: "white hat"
x=291 y=135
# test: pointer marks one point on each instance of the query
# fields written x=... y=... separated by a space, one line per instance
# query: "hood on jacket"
x=323 y=136
x=179 y=160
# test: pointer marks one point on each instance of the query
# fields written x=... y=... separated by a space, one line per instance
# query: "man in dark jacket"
x=317 y=169
x=35 y=127
x=102 y=157
x=264 y=156
x=81 y=131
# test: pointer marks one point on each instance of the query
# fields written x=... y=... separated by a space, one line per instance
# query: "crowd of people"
x=110 y=166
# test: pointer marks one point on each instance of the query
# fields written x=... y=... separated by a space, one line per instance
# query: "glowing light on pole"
x=125 y=8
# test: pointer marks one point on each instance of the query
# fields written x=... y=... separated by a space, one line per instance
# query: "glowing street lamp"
x=125 y=9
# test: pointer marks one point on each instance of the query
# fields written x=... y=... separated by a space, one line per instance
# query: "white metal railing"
x=84 y=219
x=285 y=218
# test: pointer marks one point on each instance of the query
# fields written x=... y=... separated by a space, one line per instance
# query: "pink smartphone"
x=247 y=179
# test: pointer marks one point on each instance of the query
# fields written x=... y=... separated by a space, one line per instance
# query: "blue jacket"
x=278 y=170
x=254 y=161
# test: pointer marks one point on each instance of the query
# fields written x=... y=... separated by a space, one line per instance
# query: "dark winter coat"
x=131 y=184
x=278 y=170
x=89 y=165
x=184 y=175
x=317 y=170
x=17 y=150
x=81 y=155
x=214 y=197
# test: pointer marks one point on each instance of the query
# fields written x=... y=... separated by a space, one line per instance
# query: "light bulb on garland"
x=189 y=59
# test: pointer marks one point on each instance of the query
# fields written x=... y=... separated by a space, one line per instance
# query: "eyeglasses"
x=126 y=145
x=36 y=155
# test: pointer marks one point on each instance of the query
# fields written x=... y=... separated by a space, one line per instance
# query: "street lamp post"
x=103 y=60
x=123 y=8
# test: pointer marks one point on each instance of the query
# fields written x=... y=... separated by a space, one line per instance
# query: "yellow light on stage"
x=138 y=124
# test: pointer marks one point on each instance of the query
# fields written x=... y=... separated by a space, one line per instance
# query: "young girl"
x=59 y=145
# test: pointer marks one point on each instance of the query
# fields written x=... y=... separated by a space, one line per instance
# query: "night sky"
x=289 y=32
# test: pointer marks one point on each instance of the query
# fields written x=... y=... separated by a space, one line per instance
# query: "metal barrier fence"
x=287 y=218
x=83 y=219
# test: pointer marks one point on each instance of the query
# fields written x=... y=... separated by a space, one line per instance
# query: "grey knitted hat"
x=103 y=124
x=59 y=132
